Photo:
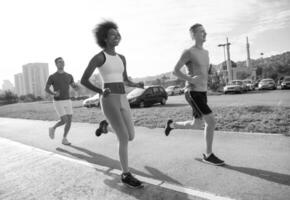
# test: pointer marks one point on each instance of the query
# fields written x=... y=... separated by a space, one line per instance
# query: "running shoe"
x=213 y=160
x=51 y=132
x=103 y=128
x=65 y=142
x=129 y=180
x=167 y=127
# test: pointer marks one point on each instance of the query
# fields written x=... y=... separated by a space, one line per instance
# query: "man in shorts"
x=196 y=60
x=60 y=81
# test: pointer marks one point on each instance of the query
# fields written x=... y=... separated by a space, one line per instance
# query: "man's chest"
x=200 y=59
x=62 y=80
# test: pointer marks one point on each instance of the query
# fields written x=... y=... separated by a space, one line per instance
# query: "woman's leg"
x=112 y=110
x=127 y=117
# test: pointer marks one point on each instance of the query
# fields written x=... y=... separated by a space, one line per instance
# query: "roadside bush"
x=258 y=109
x=9 y=97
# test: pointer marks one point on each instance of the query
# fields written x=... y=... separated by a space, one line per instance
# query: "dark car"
x=148 y=96
x=267 y=84
x=285 y=84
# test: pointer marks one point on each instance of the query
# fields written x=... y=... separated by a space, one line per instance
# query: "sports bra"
x=112 y=70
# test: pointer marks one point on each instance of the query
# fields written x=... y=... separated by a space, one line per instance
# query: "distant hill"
x=274 y=66
x=151 y=78
x=279 y=59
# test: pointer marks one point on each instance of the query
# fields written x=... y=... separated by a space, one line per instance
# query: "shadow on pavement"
x=263 y=174
x=91 y=157
x=267 y=175
x=149 y=192
x=157 y=174
x=102 y=160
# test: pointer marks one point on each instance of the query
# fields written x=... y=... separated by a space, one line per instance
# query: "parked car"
x=267 y=84
x=256 y=83
x=147 y=96
x=249 y=84
x=93 y=101
x=183 y=89
x=235 y=86
x=285 y=84
x=173 y=90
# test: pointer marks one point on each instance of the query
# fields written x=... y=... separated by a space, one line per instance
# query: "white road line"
x=155 y=182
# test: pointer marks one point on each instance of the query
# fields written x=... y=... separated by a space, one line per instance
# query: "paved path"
x=258 y=165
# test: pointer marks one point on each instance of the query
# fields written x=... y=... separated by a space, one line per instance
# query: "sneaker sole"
x=67 y=144
x=133 y=187
x=215 y=164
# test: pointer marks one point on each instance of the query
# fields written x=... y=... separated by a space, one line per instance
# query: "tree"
x=10 y=97
x=243 y=75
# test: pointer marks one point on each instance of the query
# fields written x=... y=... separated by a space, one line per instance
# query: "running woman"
x=60 y=82
x=196 y=60
x=114 y=103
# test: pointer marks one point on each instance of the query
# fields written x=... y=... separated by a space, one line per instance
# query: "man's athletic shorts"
x=63 y=107
x=198 y=103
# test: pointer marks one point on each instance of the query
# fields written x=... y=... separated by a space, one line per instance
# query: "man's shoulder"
x=193 y=50
x=67 y=74
x=52 y=75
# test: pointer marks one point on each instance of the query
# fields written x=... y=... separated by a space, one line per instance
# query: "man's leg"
x=67 y=126
x=68 y=119
x=209 y=132
x=60 y=112
x=59 y=123
x=195 y=123
x=209 y=157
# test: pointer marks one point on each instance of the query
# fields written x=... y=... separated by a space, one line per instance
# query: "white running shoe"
x=65 y=142
x=51 y=131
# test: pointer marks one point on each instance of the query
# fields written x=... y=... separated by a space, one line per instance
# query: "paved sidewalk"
x=31 y=173
x=258 y=164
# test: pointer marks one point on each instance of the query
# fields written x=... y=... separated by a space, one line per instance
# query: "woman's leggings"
x=117 y=110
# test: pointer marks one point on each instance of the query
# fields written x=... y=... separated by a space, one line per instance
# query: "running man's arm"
x=73 y=84
x=47 y=87
x=96 y=61
x=127 y=81
x=185 y=57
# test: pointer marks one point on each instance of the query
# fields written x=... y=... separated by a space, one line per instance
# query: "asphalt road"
x=257 y=164
x=265 y=97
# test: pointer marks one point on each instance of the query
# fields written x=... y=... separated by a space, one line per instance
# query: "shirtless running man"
x=196 y=60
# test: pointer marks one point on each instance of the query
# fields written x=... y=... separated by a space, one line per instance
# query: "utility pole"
x=248 y=53
x=223 y=45
x=229 y=62
x=228 y=59
x=248 y=61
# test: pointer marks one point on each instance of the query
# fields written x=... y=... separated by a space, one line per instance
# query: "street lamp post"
x=228 y=60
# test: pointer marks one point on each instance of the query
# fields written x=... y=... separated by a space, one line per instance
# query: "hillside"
x=274 y=66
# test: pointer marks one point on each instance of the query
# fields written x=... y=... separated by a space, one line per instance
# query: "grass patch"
x=265 y=119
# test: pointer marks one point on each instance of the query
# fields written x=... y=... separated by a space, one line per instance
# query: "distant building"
x=7 y=85
x=35 y=76
x=19 y=84
x=224 y=72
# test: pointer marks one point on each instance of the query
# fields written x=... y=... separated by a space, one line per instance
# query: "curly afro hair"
x=101 y=32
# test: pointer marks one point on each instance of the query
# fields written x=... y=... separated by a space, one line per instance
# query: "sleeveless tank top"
x=112 y=70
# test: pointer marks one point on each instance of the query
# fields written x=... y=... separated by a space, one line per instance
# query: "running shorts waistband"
x=116 y=88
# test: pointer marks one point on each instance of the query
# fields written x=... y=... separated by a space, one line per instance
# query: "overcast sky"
x=154 y=32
